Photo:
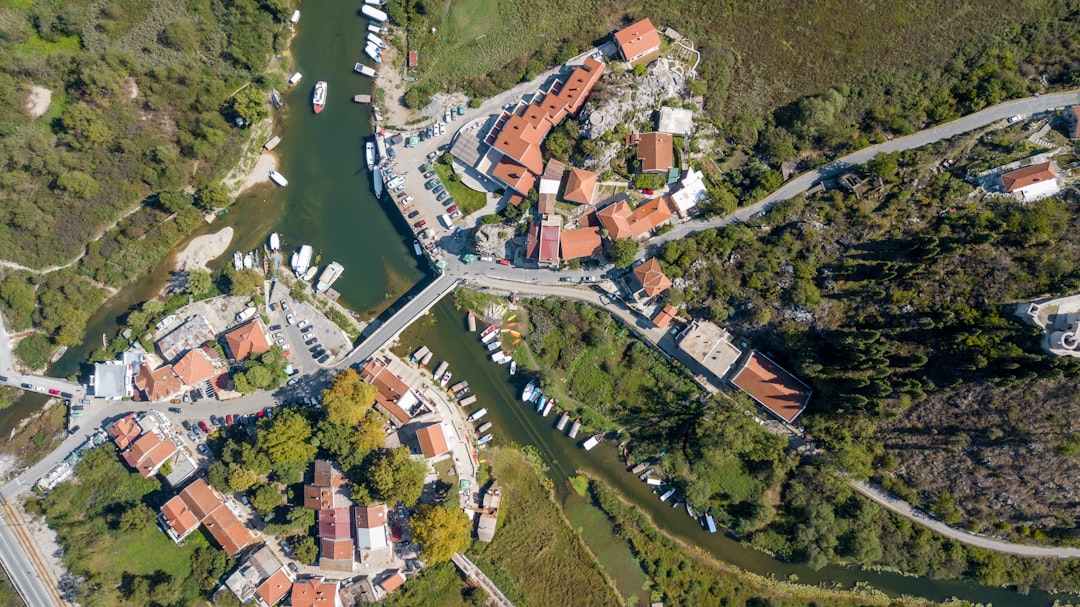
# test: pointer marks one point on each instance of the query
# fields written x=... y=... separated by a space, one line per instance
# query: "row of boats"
x=533 y=394
x=645 y=471
x=374 y=45
x=300 y=262
x=460 y=391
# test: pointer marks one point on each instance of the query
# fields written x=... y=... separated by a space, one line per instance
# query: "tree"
x=218 y=476
x=241 y=479
x=395 y=476
x=264 y=498
x=214 y=196
x=623 y=251
x=249 y=105
x=369 y=433
x=440 y=532
x=305 y=551
x=347 y=399
x=208 y=564
x=199 y=282
x=136 y=518
x=284 y=438
x=244 y=282
x=175 y=201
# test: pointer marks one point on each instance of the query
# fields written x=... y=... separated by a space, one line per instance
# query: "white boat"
x=446 y=378
x=295 y=78
x=481 y=412
x=513 y=367
x=575 y=428
x=547 y=407
x=670 y=492
x=416 y=247
x=373 y=52
x=426 y=359
x=318 y=96
x=526 y=394
x=376 y=177
x=376 y=113
x=593 y=441
x=329 y=275
x=278 y=178
x=301 y=260
x=443 y=366
x=485 y=439
x=237 y=261
x=565 y=417
x=275 y=242
x=490 y=337
x=369 y=155
x=495 y=345
x=311 y=272
x=373 y=13
x=375 y=28
x=652 y=481
x=365 y=70
x=377 y=41
x=295 y=17
x=501 y=357
x=249 y=261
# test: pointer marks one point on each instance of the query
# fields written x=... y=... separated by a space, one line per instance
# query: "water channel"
x=329 y=204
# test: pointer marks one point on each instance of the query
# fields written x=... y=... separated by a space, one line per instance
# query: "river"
x=329 y=204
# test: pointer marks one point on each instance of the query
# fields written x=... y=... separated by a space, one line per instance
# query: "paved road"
x=473 y=572
x=20 y=571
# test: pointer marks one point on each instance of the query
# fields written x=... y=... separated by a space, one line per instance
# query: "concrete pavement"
x=20 y=570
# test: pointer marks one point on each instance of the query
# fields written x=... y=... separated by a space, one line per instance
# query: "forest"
x=140 y=125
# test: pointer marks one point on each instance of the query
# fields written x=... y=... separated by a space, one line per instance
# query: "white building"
x=691 y=191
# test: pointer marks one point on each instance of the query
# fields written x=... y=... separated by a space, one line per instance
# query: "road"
x=473 y=572
x=21 y=571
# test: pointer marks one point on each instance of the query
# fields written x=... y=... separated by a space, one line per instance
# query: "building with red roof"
x=580 y=186
x=227 y=530
x=194 y=367
x=583 y=242
x=274 y=588
x=370 y=522
x=394 y=395
x=392 y=582
x=638 y=43
x=432 y=440
x=149 y=452
x=664 y=317
x=179 y=520
x=413 y=59
x=652 y=278
x=157 y=385
x=335 y=539
x=1032 y=182
x=549 y=186
x=542 y=241
x=247 y=339
x=655 y=152
x=315 y=592
x=202 y=504
x=514 y=176
x=772 y=387
x=622 y=222
x=124 y=431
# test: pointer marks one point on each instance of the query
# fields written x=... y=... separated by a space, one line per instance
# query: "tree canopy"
x=284 y=438
x=623 y=251
x=394 y=476
x=347 y=399
x=440 y=532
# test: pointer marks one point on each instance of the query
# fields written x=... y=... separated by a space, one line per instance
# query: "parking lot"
x=314 y=340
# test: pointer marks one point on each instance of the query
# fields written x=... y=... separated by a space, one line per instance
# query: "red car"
x=504 y=262
x=451 y=208
x=54 y=392
x=419 y=224
x=229 y=420
x=649 y=192
x=259 y=413
x=204 y=427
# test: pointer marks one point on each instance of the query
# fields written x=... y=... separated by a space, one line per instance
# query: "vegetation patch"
x=467 y=199
x=43 y=434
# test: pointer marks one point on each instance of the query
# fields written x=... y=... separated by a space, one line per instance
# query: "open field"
x=467 y=199
x=437 y=586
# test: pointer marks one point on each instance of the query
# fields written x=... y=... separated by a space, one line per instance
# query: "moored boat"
x=668 y=494
x=237 y=261
x=310 y=274
x=526 y=394
x=513 y=367
x=365 y=70
x=547 y=408
x=471 y=318
x=575 y=428
x=377 y=41
x=295 y=18
x=426 y=359
x=375 y=112
x=301 y=261
x=249 y=261
x=710 y=523
x=377 y=180
x=446 y=379
x=329 y=275
x=278 y=178
x=275 y=242
x=481 y=412
x=369 y=155
x=416 y=247
x=373 y=13
x=565 y=417
x=501 y=357
x=537 y=393
x=419 y=354
x=540 y=402
x=295 y=79
x=373 y=52
x=459 y=386
x=443 y=366
x=495 y=345
x=485 y=439
x=484 y=427
x=690 y=511
x=592 y=441
x=318 y=98
x=375 y=28
x=652 y=480
x=638 y=469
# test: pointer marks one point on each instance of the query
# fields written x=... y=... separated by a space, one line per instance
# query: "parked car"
x=399 y=189
x=280 y=341
x=311 y=341
x=73 y=430
x=290 y=319
x=215 y=420
x=275 y=327
x=293 y=381
x=285 y=349
x=284 y=306
x=429 y=174
x=448 y=202
x=302 y=325
x=67 y=395
x=204 y=449
x=438 y=190
x=647 y=192
x=230 y=420
x=191 y=436
x=176 y=409
x=54 y=392
x=27 y=386
x=204 y=427
x=590 y=279
x=414 y=214
x=309 y=335
x=85 y=401
x=2 y=378
x=431 y=184
x=323 y=359
x=567 y=279
x=407 y=199
x=419 y=224
x=451 y=208
x=441 y=197
x=186 y=424
x=432 y=155
x=455 y=215
x=504 y=262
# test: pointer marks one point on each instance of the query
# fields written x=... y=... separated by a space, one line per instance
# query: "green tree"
x=305 y=551
x=175 y=201
x=241 y=479
x=244 y=282
x=208 y=564
x=199 y=282
x=347 y=399
x=218 y=476
x=395 y=476
x=440 y=532
x=249 y=105
x=214 y=196
x=369 y=433
x=264 y=498
x=284 y=438
x=259 y=376
x=623 y=251
x=136 y=518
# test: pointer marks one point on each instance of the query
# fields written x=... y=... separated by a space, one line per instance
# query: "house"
x=394 y=395
x=432 y=440
x=315 y=592
x=335 y=539
x=1072 y=121
x=664 y=317
x=392 y=582
x=652 y=279
x=655 y=153
x=250 y=575
x=227 y=530
x=514 y=176
x=772 y=387
x=549 y=186
x=542 y=241
x=583 y=242
x=149 y=452
x=690 y=192
x=675 y=121
x=370 y=523
x=247 y=339
x=638 y=43
x=1032 y=182
x=622 y=222
x=124 y=431
x=113 y=379
x=489 y=513
x=157 y=385
x=319 y=495
x=580 y=186
x=709 y=345
x=179 y=520
x=324 y=474
x=413 y=59
x=194 y=367
x=194 y=332
x=274 y=588
x=206 y=506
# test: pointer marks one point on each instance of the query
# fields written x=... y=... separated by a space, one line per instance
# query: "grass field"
x=536 y=558
x=437 y=586
x=467 y=199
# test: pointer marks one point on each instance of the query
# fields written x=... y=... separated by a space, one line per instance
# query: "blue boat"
x=710 y=523
x=526 y=394
x=485 y=439
x=540 y=403
x=536 y=395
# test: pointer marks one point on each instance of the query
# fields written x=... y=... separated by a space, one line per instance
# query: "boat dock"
x=362 y=98
x=465 y=402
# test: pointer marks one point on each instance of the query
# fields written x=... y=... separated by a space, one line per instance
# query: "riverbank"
x=389 y=88
x=254 y=165
x=204 y=249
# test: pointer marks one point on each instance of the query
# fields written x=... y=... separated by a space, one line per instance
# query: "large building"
x=638 y=43
x=1032 y=182
x=690 y=192
x=194 y=332
x=150 y=451
x=115 y=379
x=432 y=440
x=315 y=592
x=675 y=121
x=772 y=387
x=247 y=339
x=198 y=501
x=580 y=186
x=262 y=577
x=651 y=277
x=583 y=242
x=711 y=346
x=394 y=395
x=336 y=547
x=146 y=444
x=655 y=153
x=194 y=367
x=622 y=222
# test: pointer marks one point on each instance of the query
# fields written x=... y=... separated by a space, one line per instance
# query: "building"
x=655 y=153
x=432 y=440
x=194 y=367
x=157 y=385
x=114 y=379
x=392 y=582
x=274 y=588
x=394 y=395
x=320 y=494
x=489 y=513
x=638 y=43
x=150 y=451
x=549 y=186
x=1032 y=182
x=675 y=121
x=514 y=176
x=583 y=242
x=580 y=186
x=179 y=519
x=370 y=524
x=247 y=339
x=690 y=192
x=542 y=242
x=622 y=222
x=336 y=547
x=256 y=568
x=201 y=502
x=194 y=332
x=664 y=317
x=651 y=277
x=772 y=387
x=227 y=530
x=124 y=431
x=709 y=345
x=315 y=592
x=1072 y=121
x=413 y=59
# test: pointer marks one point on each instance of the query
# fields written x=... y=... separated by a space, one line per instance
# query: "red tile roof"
x=580 y=186
x=370 y=517
x=227 y=530
x=247 y=339
x=274 y=588
x=549 y=186
x=515 y=176
x=157 y=385
x=200 y=498
x=432 y=440
x=149 y=452
x=637 y=39
x=318 y=498
x=616 y=220
x=336 y=550
x=652 y=278
x=664 y=317
x=579 y=84
x=392 y=583
x=324 y=474
x=655 y=152
x=194 y=367
x=314 y=592
x=179 y=517
x=1029 y=175
x=391 y=387
x=412 y=59
x=772 y=387
x=334 y=524
x=583 y=242
x=124 y=430
x=650 y=216
x=516 y=200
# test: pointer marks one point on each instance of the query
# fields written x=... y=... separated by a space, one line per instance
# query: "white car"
x=442 y=128
x=407 y=200
x=278 y=335
x=309 y=335
x=290 y=319
x=1016 y=118
x=302 y=325
x=280 y=340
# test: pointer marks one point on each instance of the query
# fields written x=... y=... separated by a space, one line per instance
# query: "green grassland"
x=8 y=596
x=536 y=558
x=467 y=199
x=437 y=586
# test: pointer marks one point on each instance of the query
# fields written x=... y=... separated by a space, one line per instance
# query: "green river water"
x=329 y=204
